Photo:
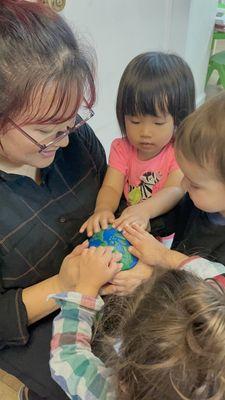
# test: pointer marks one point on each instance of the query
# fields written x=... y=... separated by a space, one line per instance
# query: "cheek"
x=18 y=149
x=131 y=135
x=184 y=185
x=169 y=135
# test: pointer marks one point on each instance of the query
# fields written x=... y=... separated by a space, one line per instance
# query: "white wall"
x=119 y=30
x=199 y=36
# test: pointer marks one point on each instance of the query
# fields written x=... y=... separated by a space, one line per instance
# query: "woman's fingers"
x=107 y=289
x=79 y=249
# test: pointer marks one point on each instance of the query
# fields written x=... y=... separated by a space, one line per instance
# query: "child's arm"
x=149 y=250
x=73 y=365
x=107 y=202
x=160 y=203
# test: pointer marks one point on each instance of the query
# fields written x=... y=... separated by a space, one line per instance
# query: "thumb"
x=114 y=268
x=107 y=289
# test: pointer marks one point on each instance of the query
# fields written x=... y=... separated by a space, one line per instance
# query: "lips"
x=146 y=144
x=47 y=153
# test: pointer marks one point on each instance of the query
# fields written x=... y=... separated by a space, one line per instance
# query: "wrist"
x=57 y=285
x=173 y=259
x=87 y=290
x=145 y=209
x=102 y=208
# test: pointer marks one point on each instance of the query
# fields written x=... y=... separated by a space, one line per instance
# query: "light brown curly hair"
x=200 y=138
x=173 y=340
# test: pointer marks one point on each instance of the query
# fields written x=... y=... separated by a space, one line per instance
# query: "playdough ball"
x=112 y=237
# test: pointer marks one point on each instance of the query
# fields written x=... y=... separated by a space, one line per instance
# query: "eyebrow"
x=43 y=130
x=49 y=129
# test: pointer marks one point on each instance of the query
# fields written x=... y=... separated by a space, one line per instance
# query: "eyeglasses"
x=84 y=114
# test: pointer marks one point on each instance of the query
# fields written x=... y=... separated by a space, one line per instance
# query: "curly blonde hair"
x=173 y=340
x=200 y=138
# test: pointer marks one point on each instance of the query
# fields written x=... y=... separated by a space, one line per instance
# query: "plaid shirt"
x=39 y=224
x=73 y=366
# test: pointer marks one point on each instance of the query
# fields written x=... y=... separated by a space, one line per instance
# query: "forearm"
x=71 y=351
x=35 y=299
x=108 y=199
x=172 y=259
x=163 y=201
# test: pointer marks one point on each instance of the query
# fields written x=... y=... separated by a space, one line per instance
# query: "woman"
x=48 y=180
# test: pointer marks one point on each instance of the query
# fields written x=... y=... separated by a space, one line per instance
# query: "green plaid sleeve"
x=73 y=365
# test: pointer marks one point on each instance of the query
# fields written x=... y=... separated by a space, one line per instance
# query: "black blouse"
x=39 y=224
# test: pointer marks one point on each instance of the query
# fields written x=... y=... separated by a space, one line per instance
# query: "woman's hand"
x=138 y=214
x=68 y=274
x=125 y=282
x=99 y=220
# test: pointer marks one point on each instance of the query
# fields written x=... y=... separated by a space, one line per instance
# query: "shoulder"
x=87 y=137
x=84 y=151
x=168 y=151
x=84 y=140
x=121 y=145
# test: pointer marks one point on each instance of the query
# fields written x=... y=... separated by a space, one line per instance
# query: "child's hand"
x=138 y=214
x=144 y=246
x=97 y=266
x=99 y=220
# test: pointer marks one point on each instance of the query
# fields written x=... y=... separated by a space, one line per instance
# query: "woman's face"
x=19 y=150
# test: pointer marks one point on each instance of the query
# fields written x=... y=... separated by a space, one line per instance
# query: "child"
x=155 y=93
x=200 y=218
x=172 y=337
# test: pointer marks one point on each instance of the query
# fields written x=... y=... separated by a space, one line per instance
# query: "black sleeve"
x=13 y=322
x=174 y=221
x=95 y=149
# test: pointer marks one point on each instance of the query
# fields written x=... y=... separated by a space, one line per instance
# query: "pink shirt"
x=142 y=178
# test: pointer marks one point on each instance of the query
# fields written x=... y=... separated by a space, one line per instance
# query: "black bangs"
x=145 y=100
x=155 y=83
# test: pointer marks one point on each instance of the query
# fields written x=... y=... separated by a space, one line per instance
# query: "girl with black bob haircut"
x=156 y=92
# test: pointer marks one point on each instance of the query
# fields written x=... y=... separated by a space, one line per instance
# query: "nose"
x=146 y=131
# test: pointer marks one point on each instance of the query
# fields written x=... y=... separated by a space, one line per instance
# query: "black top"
x=195 y=233
x=39 y=224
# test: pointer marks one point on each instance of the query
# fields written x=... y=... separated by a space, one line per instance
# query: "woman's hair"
x=38 y=52
x=154 y=83
x=201 y=136
x=173 y=340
